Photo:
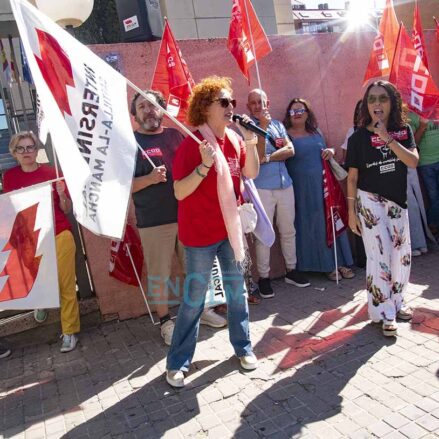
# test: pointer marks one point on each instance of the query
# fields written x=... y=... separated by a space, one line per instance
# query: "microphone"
x=251 y=126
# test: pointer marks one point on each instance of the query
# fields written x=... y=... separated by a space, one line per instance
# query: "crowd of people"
x=188 y=193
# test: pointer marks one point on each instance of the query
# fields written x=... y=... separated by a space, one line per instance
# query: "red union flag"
x=381 y=57
x=244 y=25
x=28 y=272
x=418 y=36
x=413 y=79
x=84 y=102
x=172 y=76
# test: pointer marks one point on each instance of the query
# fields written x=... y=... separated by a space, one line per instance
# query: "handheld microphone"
x=253 y=127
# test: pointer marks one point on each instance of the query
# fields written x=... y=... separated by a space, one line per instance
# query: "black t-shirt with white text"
x=156 y=205
x=379 y=170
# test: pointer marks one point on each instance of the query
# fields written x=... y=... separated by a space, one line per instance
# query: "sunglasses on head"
x=27 y=148
x=298 y=111
x=382 y=99
x=225 y=102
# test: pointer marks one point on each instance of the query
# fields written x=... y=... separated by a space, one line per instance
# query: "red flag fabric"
x=333 y=197
x=413 y=79
x=245 y=25
x=120 y=266
x=172 y=76
x=418 y=36
x=381 y=57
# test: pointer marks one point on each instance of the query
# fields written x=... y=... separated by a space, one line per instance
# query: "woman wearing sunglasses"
x=378 y=156
x=306 y=171
x=24 y=147
x=207 y=179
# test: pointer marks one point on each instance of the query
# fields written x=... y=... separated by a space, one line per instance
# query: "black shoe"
x=297 y=278
x=4 y=351
x=265 y=290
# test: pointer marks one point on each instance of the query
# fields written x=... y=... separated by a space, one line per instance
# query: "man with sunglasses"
x=275 y=189
x=156 y=205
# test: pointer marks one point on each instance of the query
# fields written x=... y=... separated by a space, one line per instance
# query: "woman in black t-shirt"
x=378 y=155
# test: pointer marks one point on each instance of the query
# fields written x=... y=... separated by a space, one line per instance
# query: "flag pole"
x=335 y=245
x=153 y=102
x=253 y=46
x=140 y=284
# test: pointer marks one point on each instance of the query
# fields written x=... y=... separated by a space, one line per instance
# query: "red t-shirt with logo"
x=200 y=221
x=16 y=178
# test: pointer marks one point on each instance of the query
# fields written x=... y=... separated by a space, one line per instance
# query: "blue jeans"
x=430 y=177
x=199 y=262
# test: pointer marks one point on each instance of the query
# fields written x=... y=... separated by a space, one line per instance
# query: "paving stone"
x=396 y=420
x=380 y=429
x=429 y=422
x=412 y=412
x=413 y=431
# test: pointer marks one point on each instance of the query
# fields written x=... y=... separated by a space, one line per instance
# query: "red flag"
x=333 y=197
x=172 y=76
x=413 y=79
x=245 y=25
x=120 y=266
x=437 y=28
x=381 y=57
x=418 y=36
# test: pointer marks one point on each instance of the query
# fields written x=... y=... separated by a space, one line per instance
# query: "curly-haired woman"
x=379 y=153
x=207 y=179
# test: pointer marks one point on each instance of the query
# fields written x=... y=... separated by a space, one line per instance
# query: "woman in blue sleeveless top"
x=306 y=171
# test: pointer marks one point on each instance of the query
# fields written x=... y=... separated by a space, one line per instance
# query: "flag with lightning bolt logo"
x=28 y=269
x=85 y=103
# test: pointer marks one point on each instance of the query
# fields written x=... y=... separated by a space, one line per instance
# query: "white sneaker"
x=210 y=318
x=249 y=362
x=423 y=250
x=69 y=342
x=166 y=331
x=416 y=252
x=175 y=378
x=40 y=315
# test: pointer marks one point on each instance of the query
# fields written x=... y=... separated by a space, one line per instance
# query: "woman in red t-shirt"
x=24 y=147
x=207 y=178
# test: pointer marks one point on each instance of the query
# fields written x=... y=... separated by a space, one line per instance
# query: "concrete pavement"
x=325 y=372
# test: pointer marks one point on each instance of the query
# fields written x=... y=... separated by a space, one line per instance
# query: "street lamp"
x=66 y=13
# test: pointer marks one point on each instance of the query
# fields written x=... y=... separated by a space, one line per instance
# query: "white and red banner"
x=28 y=269
x=85 y=102
x=172 y=77
x=381 y=56
x=247 y=40
x=418 y=35
x=413 y=79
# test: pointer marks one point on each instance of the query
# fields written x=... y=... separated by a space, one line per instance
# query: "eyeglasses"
x=225 y=102
x=382 y=99
x=27 y=148
x=298 y=111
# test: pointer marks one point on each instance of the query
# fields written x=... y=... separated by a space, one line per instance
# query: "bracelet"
x=350 y=198
x=208 y=167
x=389 y=141
x=199 y=173
x=252 y=141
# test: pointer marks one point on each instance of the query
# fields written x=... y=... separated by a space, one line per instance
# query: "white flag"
x=28 y=270
x=85 y=103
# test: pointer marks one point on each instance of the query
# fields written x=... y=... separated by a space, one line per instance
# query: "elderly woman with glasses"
x=207 y=178
x=24 y=147
x=378 y=156
x=306 y=171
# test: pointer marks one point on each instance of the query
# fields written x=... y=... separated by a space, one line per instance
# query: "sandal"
x=346 y=272
x=405 y=313
x=252 y=299
x=333 y=276
x=390 y=328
